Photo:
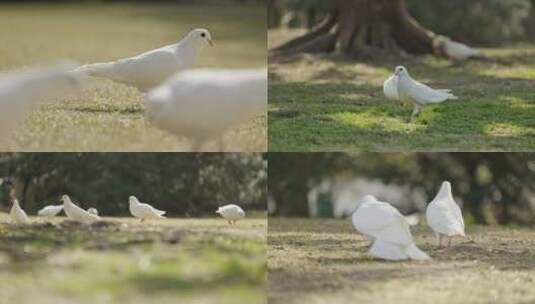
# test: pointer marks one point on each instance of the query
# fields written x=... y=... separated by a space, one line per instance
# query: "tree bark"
x=365 y=26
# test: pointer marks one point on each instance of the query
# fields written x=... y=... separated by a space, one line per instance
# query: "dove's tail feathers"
x=160 y=212
x=387 y=251
x=416 y=254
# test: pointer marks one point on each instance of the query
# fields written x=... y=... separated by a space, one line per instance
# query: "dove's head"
x=201 y=37
x=241 y=213
x=15 y=202
x=446 y=186
x=65 y=198
x=401 y=71
x=369 y=199
x=132 y=199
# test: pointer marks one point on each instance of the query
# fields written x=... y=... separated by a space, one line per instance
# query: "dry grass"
x=326 y=261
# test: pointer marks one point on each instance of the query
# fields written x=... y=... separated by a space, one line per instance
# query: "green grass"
x=122 y=261
x=108 y=116
x=322 y=103
x=326 y=261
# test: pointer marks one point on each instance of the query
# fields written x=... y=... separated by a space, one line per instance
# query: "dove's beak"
x=211 y=42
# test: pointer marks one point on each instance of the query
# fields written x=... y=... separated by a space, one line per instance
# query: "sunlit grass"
x=108 y=116
x=324 y=103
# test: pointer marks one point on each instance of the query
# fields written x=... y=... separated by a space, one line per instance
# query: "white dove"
x=390 y=87
x=149 y=69
x=444 y=215
x=50 y=211
x=23 y=91
x=76 y=213
x=232 y=213
x=17 y=214
x=203 y=104
x=143 y=211
x=458 y=51
x=388 y=228
x=93 y=211
x=417 y=92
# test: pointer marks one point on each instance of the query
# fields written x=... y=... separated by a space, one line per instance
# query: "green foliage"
x=502 y=182
x=181 y=183
x=483 y=22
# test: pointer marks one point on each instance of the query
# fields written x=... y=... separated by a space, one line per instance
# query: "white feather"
x=390 y=87
x=50 y=211
x=17 y=214
x=459 y=51
x=443 y=214
x=149 y=69
x=24 y=91
x=231 y=212
x=387 y=226
x=417 y=92
x=143 y=211
x=76 y=213
x=203 y=104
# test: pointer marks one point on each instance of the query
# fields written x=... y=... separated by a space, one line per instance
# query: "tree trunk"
x=357 y=27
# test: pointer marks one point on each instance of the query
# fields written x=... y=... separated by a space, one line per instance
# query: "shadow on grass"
x=341 y=108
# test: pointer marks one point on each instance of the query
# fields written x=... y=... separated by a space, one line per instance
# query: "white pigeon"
x=458 y=51
x=149 y=69
x=17 y=214
x=389 y=230
x=232 y=213
x=23 y=91
x=76 y=213
x=417 y=92
x=390 y=87
x=50 y=211
x=93 y=211
x=203 y=104
x=143 y=211
x=444 y=216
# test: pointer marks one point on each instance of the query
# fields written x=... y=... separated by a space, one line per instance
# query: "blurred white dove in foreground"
x=76 y=213
x=458 y=51
x=388 y=228
x=50 y=211
x=203 y=104
x=23 y=91
x=149 y=69
x=17 y=214
x=444 y=215
x=93 y=211
x=144 y=211
x=417 y=92
x=232 y=213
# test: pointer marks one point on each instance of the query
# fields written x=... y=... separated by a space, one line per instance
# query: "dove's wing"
x=144 y=71
x=382 y=221
x=148 y=210
x=444 y=218
x=425 y=94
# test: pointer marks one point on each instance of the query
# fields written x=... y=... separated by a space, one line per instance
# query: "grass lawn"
x=326 y=261
x=108 y=116
x=322 y=103
x=122 y=261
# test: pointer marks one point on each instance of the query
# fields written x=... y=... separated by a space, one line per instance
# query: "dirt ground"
x=326 y=261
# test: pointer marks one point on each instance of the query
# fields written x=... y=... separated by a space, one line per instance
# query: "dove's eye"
x=203 y=35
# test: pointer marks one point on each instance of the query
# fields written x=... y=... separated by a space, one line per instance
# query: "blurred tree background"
x=494 y=187
x=479 y=22
x=183 y=184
